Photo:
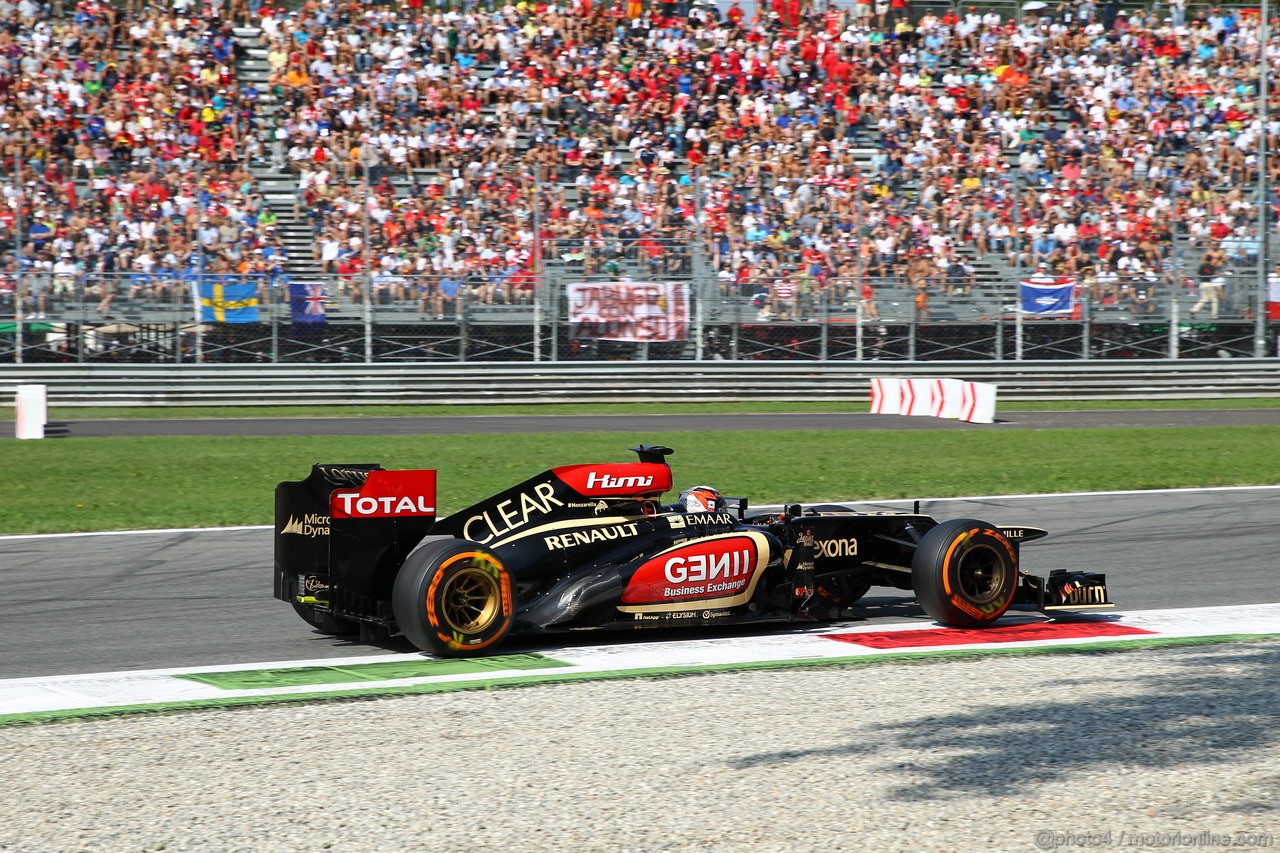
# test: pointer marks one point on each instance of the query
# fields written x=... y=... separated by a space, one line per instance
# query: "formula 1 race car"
x=359 y=549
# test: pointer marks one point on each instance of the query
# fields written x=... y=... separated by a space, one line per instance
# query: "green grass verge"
x=169 y=412
x=339 y=673
x=178 y=481
x=569 y=676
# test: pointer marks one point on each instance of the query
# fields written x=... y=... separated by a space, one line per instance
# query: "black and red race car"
x=359 y=549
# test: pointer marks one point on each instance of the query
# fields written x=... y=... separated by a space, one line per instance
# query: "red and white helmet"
x=701 y=499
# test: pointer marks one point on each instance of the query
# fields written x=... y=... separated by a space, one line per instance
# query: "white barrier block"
x=886 y=396
x=979 y=403
x=948 y=398
x=917 y=396
x=31 y=411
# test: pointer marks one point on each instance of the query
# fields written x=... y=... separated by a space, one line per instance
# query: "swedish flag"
x=226 y=301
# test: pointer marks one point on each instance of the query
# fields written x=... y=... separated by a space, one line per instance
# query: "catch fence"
x=477 y=318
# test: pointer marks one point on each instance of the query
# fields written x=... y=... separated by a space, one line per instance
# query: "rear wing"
x=345 y=530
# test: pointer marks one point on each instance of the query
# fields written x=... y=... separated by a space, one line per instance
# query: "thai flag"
x=306 y=302
x=1048 y=294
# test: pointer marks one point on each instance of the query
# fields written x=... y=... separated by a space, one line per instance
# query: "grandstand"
x=807 y=168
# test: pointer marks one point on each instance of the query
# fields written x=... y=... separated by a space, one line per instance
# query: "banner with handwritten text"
x=629 y=311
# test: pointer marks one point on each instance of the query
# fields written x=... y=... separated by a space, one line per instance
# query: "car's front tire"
x=454 y=598
x=965 y=573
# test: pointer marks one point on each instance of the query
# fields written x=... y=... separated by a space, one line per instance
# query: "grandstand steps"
x=279 y=189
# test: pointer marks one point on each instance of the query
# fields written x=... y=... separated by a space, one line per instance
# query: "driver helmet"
x=701 y=499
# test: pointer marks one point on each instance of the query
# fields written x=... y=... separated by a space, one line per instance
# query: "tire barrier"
x=974 y=402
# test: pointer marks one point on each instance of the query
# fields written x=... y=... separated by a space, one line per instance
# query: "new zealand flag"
x=306 y=302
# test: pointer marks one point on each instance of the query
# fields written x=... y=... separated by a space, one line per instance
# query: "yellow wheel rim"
x=470 y=600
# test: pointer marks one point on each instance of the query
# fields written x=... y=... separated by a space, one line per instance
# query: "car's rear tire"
x=325 y=623
x=965 y=573
x=454 y=598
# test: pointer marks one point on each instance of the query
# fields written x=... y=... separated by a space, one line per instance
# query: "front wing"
x=1065 y=591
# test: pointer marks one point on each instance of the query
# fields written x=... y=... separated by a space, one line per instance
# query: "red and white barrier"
x=974 y=402
x=886 y=396
x=31 y=411
x=947 y=398
x=979 y=405
x=917 y=397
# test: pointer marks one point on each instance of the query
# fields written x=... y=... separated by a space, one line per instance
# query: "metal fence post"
x=1264 y=219
x=19 y=293
x=1086 y=325
x=699 y=270
x=463 y=337
x=195 y=298
x=368 y=270
x=858 y=331
x=1017 y=330
x=274 y=321
x=553 y=294
x=538 y=264
x=734 y=323
x=825 y=319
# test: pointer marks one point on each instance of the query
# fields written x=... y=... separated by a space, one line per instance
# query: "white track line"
x=140 y=688
x=149 y=532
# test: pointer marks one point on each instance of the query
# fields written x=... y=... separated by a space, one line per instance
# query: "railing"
x=493 y=319
x=611 y=382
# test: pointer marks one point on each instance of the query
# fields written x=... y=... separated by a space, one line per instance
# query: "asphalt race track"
x=102 y=602
x=452 y=425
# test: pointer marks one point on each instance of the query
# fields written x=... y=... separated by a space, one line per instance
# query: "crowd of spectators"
x=810 y=150
x=126 y=142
